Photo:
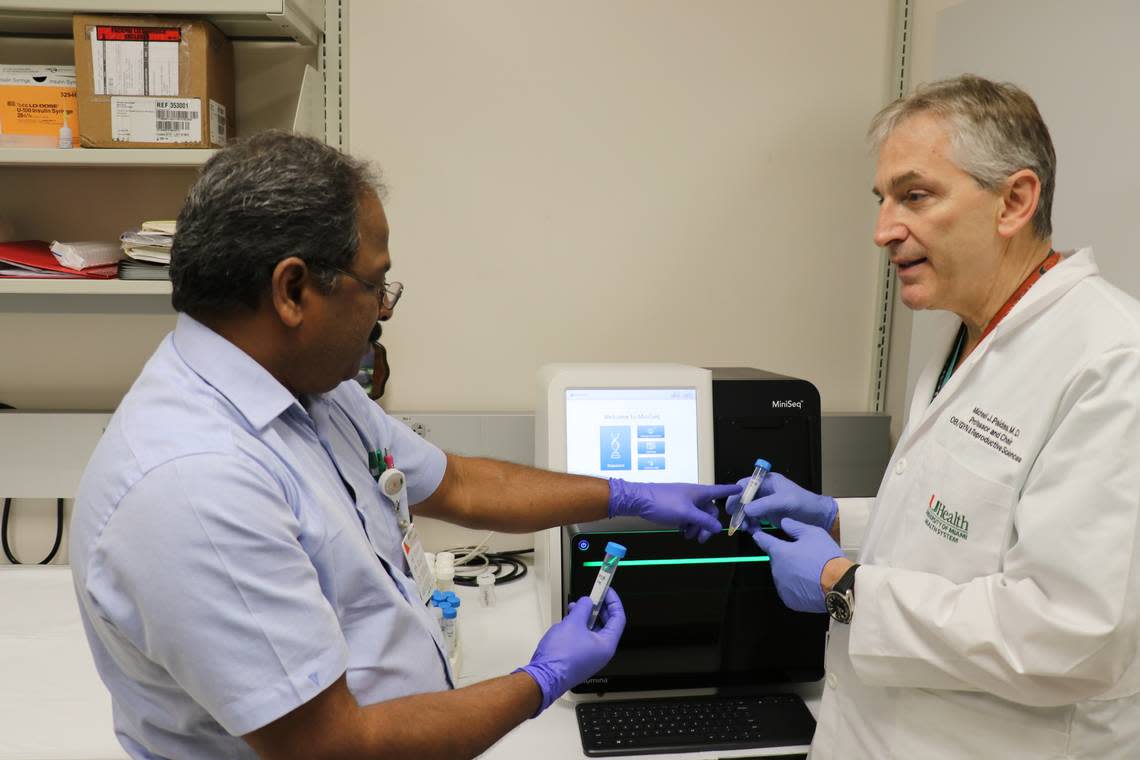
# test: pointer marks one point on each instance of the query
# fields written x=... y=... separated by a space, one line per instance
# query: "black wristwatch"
x=840 y=601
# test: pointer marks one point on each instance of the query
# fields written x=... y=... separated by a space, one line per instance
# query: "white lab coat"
x=997 y=612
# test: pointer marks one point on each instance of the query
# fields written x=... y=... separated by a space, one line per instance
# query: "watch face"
x=838 y=606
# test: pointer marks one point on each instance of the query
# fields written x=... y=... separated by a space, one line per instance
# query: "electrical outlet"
x=417 y=427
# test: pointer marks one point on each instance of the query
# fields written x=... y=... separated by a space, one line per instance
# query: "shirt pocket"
x=957 y=522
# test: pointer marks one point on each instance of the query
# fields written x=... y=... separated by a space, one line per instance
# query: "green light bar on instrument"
x=686 y=561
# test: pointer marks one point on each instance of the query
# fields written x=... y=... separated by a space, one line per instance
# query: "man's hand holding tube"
x=780 y=497
x=798 y=564
x=686 y=506
x=570 y=652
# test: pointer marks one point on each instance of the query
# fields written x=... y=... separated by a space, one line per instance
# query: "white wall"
x=647 y=180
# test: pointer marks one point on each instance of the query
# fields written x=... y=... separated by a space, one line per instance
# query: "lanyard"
x=951 y=364
x=1050 y=261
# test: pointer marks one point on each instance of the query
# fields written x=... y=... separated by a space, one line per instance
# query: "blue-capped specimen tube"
x=750 y=490
x=614 y=553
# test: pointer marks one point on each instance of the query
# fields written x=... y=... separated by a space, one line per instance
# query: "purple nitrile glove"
x=780 y=497
x=797 y=565
x=679 y=505
x=570 y=652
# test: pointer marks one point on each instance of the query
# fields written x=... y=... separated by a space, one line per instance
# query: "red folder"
x=33 y=258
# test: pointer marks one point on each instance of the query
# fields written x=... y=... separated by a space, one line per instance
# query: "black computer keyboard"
x=693 y=724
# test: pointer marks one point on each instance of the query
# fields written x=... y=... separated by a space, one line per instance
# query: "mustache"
x=374 y=336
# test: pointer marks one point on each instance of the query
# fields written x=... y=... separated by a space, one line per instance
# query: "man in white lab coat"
x=994 y=612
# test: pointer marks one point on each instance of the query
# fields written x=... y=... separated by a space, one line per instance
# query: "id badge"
x=421 y=573
x=394 y=485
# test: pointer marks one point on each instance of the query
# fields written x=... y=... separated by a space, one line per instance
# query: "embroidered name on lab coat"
x=991 y=430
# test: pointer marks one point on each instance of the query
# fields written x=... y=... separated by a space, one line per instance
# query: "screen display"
x=698 y=615
x=640 y=434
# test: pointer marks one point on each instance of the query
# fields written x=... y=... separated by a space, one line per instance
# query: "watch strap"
x=846 y=581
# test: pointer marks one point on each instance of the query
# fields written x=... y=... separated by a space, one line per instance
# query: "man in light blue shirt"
x=240 y=576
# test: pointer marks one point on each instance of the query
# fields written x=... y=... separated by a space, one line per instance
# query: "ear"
x=287 y=288
x=1019 y=198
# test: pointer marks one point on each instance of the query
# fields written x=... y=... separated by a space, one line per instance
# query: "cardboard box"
x=34 y=102
x=153 y=82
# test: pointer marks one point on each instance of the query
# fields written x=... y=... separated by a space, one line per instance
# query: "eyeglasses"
x=387 y=294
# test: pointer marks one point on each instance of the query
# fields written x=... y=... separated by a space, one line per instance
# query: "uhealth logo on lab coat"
x=951 y=525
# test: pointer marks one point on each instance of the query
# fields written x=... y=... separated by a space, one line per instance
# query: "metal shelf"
x=298 y=20
x=52 y=286
x=104 y=156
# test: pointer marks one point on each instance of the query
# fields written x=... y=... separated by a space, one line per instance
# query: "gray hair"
x=995 y=130
x=256 y=202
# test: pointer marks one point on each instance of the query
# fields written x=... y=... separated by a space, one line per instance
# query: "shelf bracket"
x=293 y=21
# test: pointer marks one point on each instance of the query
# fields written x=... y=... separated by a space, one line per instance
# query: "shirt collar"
x=232 y=372
x=1074 y=267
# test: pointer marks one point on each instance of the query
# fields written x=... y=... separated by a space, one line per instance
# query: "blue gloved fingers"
x=780 y=497
x=794 y=528
x=612 y=617
x=579 y=610
x=733 y=503
x=771 y=508
x=774 y=482
x=604 y=612
x=672 y=504
x=700 y=532
x=722 y=491
x=568 y=653
x=777 y=494
x=701 y=520
x=798 y=570
x=833 y=512
x=703 y=500
x=766 y=541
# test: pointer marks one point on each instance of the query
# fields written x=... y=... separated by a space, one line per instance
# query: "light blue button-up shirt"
x=233 y=556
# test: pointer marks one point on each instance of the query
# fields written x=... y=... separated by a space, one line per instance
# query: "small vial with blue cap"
x=614 y=554
x=763 y=467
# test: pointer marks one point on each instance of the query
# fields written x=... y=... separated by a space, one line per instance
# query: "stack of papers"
x=140 y=270
x=86 y=254
x=151 y=242
x=33 y=258
x=148 y=251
